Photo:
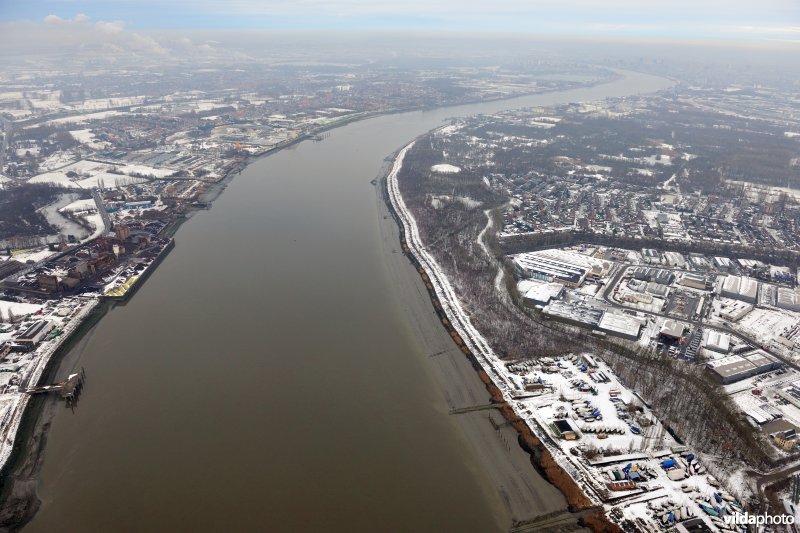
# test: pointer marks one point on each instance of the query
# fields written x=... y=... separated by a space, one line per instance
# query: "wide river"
x=265 y=377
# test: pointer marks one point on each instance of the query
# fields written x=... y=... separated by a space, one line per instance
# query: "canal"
x=268 y=375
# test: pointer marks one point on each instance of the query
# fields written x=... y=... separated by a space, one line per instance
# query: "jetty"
x=69 y=389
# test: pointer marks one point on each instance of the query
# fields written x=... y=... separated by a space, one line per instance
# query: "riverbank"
x=20 y=474
x=527 y=501
x=476 y=349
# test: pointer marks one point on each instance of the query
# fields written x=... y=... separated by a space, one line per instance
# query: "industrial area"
x=614 y=230
x=715 y=317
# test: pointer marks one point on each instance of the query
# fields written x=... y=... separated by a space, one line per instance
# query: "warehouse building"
x=651 y=256
x=549 y=269
x=637 y=298
x=558 y=266
x=657 y=289
x=674 y=259
x=672 y=330
x=655 y=275
x=699 y=262
x=734 y=310
x=723 y=263
x=762 y=361
x=625 y=326
x=716 y=341
x=32 y=336
x=577 y=314
x=788 y=299
x=695 y=281
x=737 y=367
x=542 y=293
x=740 y=288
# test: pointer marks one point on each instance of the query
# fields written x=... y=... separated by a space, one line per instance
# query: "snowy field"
x=17 y=309
x=445 y=168
x=90 y=174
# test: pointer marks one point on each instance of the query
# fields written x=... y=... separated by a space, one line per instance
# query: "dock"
x=69 y=390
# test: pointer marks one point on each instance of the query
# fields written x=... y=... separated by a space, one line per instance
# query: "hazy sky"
x=680 y=19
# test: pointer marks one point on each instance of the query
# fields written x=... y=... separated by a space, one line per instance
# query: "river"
x=267 y=375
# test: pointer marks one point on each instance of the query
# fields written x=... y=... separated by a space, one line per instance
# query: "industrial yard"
x=618 y=449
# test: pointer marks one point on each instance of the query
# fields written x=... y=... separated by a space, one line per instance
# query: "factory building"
x=671 y=330
x=716 y=341
x=577 y=314
x=625 y=326
x=568 y=268
x=788 y=299
x=674 y=259
x=588 y=316
x=737 y=367
x=655 y=275
x=637 y=298
x=740 y=288
x=550 y=270
x=657 y=289
x=723 y=263
x=651 y=256
x=694 y=281
x=699 y=262
x=542 y=293
x=734 y=310
x=32 y=336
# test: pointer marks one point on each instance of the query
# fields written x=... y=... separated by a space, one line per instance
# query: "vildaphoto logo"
x=747 y=519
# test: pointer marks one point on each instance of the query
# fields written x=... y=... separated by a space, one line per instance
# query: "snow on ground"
x=145 y=170
x=57 y=178
x=83 y=136
x=90 y=173
x=96 y=220
x=95 y=104
x=17 y=308
x=32 y=365
x=81 y=119
x=586 y=394
x=80 y=205
x=86 y=137
x=444 y=168
x=448 y=130
x=766 y=324
x=34 y=255
x=654 y=160
x=108 y=180
x=58 y=160
x=437 y=201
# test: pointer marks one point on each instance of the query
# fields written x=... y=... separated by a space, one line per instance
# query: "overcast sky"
x=672 y=19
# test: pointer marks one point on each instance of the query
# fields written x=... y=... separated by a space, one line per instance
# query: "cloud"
x=58 y=35
x=110 y=27
x=54 y=20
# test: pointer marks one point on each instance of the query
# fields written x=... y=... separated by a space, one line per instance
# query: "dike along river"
x=268 y=375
